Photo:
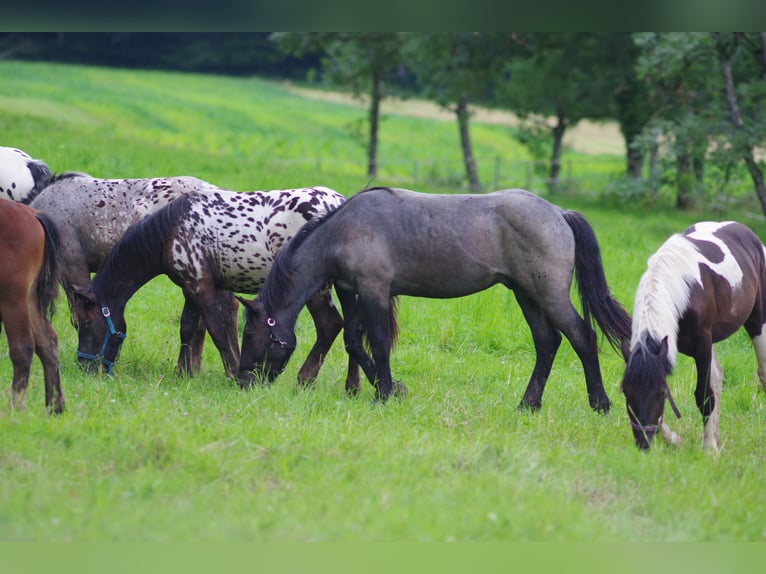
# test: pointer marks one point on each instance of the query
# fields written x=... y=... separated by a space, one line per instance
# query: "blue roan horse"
x=209 y=244
x=386 y=242
x=699 y=288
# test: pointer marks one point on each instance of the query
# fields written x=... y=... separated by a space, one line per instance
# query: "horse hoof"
x=527 y=406
x=352 y=390
x=602 y=408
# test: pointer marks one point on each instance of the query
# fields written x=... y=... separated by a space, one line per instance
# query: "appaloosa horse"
x=21 y=176
x=209 y=245
x=92 y=214
x=28 y=289
x=386 y=242
x=698 y=289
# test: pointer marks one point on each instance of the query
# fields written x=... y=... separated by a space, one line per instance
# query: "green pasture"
x=146 y=456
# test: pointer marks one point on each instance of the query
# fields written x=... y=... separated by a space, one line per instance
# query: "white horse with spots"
x=699 y=288
x=21 y=176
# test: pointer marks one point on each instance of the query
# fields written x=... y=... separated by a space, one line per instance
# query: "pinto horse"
x=209 y=245
x=28 y=289
x=698 y=289
x=386 y=242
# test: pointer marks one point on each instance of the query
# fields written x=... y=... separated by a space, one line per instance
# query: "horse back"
x=511 y=236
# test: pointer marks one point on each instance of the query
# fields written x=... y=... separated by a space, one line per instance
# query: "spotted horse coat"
x=21 y=176
x=212 y=244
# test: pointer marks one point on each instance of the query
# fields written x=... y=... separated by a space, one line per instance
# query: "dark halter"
x=650 y=430
x=111 y=332
x=270 y=323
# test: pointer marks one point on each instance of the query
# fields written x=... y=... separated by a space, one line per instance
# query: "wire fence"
x=592 y=176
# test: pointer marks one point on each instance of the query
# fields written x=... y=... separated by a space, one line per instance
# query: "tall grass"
x=148 y=456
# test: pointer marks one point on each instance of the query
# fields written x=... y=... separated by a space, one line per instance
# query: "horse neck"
x=116 y=283
x=310 y=271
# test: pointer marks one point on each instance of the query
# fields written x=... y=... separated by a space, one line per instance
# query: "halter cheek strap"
x=650 y=430
x=111 y=332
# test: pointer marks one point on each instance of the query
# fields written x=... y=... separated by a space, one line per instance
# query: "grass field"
x=145 y=456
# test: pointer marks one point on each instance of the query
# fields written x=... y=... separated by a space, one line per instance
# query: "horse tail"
x=48 y=278
x=393 y=324
x=597 y=301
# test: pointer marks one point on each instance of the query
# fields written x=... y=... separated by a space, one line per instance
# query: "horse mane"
x=144 y=242
x=279 y=279
x=644 y=363
x=663 y=292
x=66 y=175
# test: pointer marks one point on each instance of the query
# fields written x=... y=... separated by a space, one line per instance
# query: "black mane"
x=142 y=245
x=279 y=279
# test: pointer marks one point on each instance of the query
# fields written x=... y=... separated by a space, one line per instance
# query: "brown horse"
x=28 y=289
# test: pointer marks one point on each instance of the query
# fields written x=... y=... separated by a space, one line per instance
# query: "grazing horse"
x=386 y=242
x=699 y=288
x=21 y=177
x=28 y=289
x=209 y=245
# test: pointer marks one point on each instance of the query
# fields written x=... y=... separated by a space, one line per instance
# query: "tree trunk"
x=375 y=98
x=558 y=141
x=654 y=168
x=756 y=173
x=635 y=160
x=684 y=179
x=465 y=142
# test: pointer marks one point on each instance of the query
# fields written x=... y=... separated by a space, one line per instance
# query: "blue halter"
x=111 y=332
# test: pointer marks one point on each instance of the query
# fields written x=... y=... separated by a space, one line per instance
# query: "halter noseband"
x=270 y=323
x=111 y=332
x=650 y=430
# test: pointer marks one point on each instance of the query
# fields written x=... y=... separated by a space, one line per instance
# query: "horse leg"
x=347 y=301
x=759 y=346
x=353 y=331
x=328 y=324
x=46 y=347
x=584 y=342
x=192 y=331
x=219 y=312
x=377 y=317
x=21 y=345
x=547 y=340
x=708 y=395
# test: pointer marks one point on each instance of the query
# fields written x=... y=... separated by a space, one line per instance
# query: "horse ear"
x=253 y=305
x=84 y=295
x=663 y=352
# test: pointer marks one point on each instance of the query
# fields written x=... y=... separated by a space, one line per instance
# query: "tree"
x=457 y=69
x=679 y=70
x=745 y=137
x=360 y=61
x=558 y=81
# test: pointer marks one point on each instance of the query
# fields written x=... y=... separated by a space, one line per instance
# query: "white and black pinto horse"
x=210 y=245
x=699 y=288
x=21 y=176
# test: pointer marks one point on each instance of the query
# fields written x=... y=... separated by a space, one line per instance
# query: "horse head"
x=267 y=345
x=645 y=387
x=99 y=334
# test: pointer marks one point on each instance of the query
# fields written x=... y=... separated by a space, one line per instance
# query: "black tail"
x=393 y=324
x=48 y=279
x=597 y=301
